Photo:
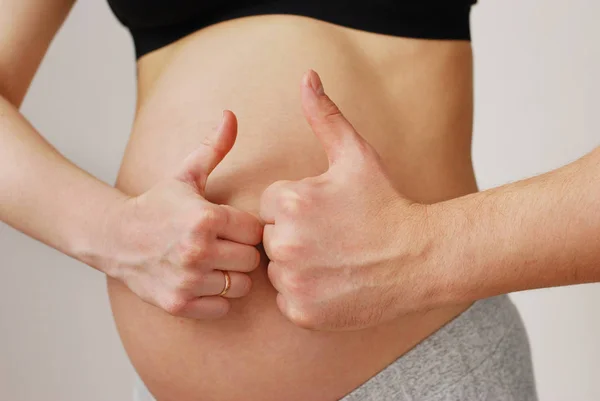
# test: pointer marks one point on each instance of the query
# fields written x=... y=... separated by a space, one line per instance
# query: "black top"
x=157 y=23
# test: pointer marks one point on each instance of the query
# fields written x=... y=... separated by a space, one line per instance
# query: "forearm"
x=44 y=195
x=539 y=232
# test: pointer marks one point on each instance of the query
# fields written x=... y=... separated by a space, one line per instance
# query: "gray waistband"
x=483 y=354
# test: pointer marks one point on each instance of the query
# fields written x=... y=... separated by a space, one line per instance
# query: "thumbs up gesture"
x=339 y=244
x=176 y=250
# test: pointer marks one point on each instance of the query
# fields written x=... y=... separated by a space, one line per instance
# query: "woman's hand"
x=342 y=244
x=170 y=246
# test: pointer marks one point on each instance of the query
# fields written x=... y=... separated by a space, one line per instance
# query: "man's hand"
x=340 y=244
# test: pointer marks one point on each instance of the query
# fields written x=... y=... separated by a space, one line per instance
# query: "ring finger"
x=215 y=281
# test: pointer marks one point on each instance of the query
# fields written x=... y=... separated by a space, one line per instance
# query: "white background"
x=537 y=108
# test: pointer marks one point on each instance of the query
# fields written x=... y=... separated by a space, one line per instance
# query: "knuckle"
x=304 y=317
x=273 y=191
x=300 y=286
x=273 y=273
x=223 y=213
x=209 y=146
x=191 y=254
x=207 y=219
x=329 y=114
x=332 y=115
x=207 y=142
x=189 y=280
x=174 y=304
x=289 y=202
x=284 y=250
x=279 y=186
x=305 y=192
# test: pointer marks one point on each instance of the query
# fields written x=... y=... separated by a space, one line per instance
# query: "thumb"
x=333 y=130
x=196 y=168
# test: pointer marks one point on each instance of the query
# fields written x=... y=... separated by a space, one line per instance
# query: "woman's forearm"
x=44 y=195
x=164 y=244
x=539 y=232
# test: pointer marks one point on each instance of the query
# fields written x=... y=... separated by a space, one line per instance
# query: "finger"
x=279 y=242
x=214 y=283
x=333 y=130
x=271 y=199
x=274 y=273
x=206 y=308
x=231 y=256
x=293 y=313
x=239 y=226
x=196 y=168
x=282 y=304
x=268 y=236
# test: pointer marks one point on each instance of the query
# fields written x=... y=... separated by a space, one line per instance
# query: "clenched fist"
x=340 y=243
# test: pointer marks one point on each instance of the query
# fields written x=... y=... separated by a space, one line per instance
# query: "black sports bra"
x=157 y=23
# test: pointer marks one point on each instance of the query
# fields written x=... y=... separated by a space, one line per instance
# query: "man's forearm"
x=539 y=232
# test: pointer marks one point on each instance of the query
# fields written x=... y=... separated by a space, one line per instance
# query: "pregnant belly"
x=411 y=99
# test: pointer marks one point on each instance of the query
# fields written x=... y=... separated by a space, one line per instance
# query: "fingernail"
x=315 y=82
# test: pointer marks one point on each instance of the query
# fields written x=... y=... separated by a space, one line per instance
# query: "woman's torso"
x=410 y=98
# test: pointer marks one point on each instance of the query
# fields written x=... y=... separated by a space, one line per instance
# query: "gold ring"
x=227 y=283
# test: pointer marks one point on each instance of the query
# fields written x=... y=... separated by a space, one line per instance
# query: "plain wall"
x=537 y=108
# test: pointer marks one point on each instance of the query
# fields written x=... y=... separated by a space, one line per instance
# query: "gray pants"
x=483 y=354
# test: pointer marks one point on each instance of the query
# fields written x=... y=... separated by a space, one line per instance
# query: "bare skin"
x=412 y=101
x=348 y=250
x=339 y=249
x=394 y=81
x=165 y=245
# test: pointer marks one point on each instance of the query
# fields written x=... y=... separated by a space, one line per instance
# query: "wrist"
x=430 y=256
x=449 y=264
x=95 y=242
